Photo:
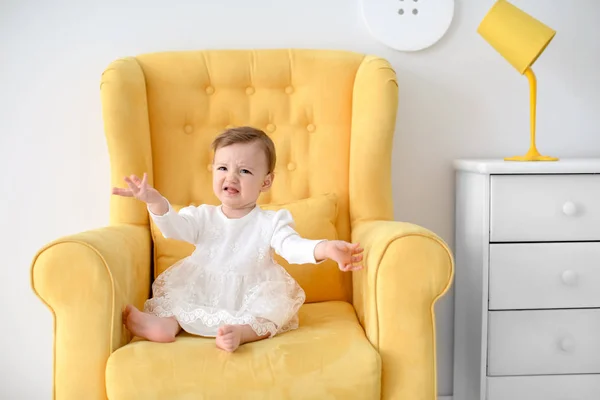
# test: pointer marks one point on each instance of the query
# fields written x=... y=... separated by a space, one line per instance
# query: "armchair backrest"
x=331 y=115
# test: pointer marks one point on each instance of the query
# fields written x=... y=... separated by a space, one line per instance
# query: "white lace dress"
x=231 y=277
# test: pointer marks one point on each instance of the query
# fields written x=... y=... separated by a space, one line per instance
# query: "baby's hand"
x=140 y=190
x=347 y=255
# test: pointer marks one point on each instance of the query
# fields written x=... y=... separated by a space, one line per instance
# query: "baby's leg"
x=151 y=327
x=230 y=337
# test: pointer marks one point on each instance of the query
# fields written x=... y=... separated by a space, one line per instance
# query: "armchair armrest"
x=407 y=269
x=85 y=280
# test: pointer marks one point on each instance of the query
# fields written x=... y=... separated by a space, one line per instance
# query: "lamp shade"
x=516 y=35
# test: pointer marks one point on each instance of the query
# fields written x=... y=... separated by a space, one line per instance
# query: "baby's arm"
x=297 y=250
x=185 y=225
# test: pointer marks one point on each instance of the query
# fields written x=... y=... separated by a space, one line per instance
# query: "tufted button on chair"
x=331 y=114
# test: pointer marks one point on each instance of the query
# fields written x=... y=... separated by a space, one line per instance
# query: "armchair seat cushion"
x=327 y=357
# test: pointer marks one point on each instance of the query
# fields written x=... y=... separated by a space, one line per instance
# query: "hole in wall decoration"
x=408 y=25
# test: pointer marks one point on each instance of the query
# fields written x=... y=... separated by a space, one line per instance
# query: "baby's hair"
x=247 y=134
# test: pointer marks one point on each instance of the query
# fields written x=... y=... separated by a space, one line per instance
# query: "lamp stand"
x=532 y=154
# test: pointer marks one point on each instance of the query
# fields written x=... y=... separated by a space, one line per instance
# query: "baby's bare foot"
x=148 y=326
x=229 y=337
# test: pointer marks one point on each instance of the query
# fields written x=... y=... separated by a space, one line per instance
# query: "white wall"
x=458 y=99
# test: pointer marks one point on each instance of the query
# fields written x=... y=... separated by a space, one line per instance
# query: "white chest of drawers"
x=527 y=287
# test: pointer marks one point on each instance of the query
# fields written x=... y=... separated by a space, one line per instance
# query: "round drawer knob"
x=567 y=344
x=569 y=208
x=569 y=277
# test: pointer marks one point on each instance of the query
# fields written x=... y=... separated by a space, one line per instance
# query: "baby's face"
x=240 y=174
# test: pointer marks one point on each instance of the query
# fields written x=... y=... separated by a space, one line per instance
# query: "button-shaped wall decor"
x=408 y=25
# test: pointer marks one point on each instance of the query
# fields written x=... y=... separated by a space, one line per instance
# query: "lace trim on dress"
x=222 y=317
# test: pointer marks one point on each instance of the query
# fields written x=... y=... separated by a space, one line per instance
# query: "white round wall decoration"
x=408 y=25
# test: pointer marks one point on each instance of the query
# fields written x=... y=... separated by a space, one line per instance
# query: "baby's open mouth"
x=231 y=190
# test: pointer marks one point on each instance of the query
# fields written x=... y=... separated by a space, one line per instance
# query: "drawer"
x=572 y=387
x=542 y=208
x=541 y=342
x=544 y=275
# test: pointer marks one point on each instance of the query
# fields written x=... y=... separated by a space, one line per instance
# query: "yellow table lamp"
x=520 y=39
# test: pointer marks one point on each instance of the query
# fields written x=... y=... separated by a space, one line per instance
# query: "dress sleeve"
x=185 y=225
x=289 y=244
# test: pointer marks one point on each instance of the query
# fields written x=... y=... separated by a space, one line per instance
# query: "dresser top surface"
x=499 y=166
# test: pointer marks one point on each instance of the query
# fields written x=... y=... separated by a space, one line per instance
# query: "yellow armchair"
x=331 y=114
